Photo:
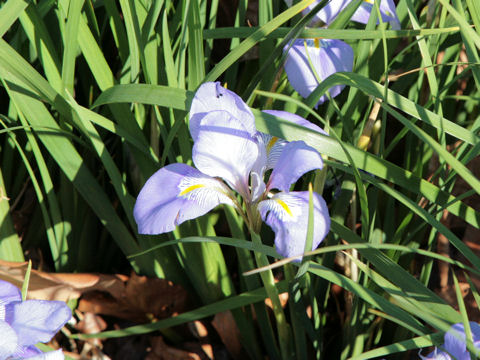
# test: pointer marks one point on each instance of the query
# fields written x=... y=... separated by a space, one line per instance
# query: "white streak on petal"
x=224 y=148
x=287 y=215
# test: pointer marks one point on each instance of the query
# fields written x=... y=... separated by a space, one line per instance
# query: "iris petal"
x=174 y=194
x=8 y=340
x=455 y=344
x=296 y=159
x=296 y=119
x=287 y=215
x=387 y=10
x=224 y=148
x=36 y=320
x=51 y=355
x=212 y=96
x=329 y=57
x=8 y=293
x=436 y=355
x=275 y=145
x=330 y=11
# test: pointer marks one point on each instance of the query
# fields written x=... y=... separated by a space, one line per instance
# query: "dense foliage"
x=95 y=99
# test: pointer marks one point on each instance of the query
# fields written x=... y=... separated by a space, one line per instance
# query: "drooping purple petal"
x=387 y=10
x=8 y=293
x=274 y=145
x=326 y=56
x=224 y=148
x=8 y=340
x=212 y=96
x=296 y=119
x=296 y=159
x=331 y=10
x=174 y=194
x=455 y=340
x=36 y=320
x=287 y=215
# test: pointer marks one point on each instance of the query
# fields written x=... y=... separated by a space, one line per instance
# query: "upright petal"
x=174 y=194
x=224 y=148
x=296 y=159
x=387 y=10
x=8 y=293
x=212 y=96
x=287 y=215
x=331 y=10
x=455 y=340
x=274 y=145
x=326 y=57
x=8 y=340
x=36 y=320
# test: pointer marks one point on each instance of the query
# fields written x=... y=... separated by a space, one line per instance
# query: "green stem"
x=268 y=280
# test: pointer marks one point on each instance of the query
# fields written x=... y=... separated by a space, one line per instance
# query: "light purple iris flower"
x=454 y=343
x=26 y=323
x=330 y=11
x=312 y=60
x=231 y=157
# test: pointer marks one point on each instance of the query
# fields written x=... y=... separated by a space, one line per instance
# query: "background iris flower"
x=454 y=343
x=330 y=11
x=232 y=157
x=311 y=61
x=26 y=323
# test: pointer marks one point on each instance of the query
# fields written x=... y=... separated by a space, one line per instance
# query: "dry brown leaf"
x=283 y=300
x=161 y=351
x=143 y=299
x=227 y=329
x=449 y=294
x=60 y=286
x=136 y=298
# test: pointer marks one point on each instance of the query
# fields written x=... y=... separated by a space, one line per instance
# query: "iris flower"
x=454 y=343
x=26 y=323
x=232 y=158
x=310 y=61
x=330 y=11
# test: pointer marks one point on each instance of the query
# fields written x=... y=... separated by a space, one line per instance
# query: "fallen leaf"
x=161 y=351
x=227 y=329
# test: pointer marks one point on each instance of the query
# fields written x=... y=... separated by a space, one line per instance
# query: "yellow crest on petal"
x=284 y=206
x=191 y=188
